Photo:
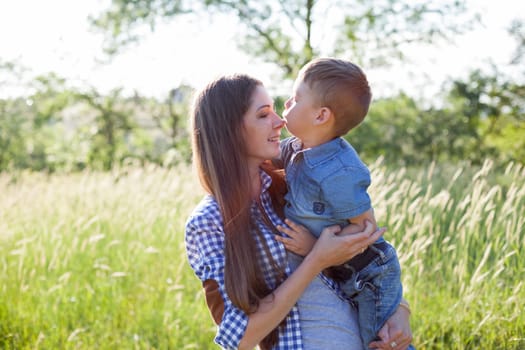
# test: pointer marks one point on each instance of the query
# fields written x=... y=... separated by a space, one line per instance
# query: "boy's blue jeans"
x=377 y=292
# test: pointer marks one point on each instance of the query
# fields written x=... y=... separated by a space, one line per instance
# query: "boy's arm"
x=357 y=223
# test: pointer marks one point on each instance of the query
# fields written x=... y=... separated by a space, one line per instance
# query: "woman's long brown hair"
x=220 y=159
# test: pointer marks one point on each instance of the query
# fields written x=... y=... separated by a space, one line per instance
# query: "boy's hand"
x=299 y=241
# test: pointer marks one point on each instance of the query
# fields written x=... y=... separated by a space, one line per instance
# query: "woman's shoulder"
x=205 y=214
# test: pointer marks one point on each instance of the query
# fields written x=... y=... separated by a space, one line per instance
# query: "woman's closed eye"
x=265 y=113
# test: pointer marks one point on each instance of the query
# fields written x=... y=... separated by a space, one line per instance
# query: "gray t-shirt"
x=327 y=321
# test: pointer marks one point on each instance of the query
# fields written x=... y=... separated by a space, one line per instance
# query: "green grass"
x=97 y=261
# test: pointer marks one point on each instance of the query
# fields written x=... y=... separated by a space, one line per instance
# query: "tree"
x=26 y=121
x=493 y=105
x=13 y=118
x=172 y=120
x=517 y=30
x=290 y=32
x=402 y=132
x=13 y=122
x=112 y=123
x=164 y=124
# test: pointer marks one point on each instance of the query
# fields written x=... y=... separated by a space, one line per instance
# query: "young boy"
x=327 y=183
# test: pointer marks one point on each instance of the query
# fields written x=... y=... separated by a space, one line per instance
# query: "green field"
x=96 y=260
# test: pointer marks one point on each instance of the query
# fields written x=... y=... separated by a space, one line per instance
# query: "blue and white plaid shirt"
x=205 y=250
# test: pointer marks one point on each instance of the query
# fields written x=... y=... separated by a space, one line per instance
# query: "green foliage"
x=495 y=113
x=289 y=33
x=100 y=262
x=401 y=132
x=517 y=30
x=59 y=128
x=108 y=129
x=388 y=122
x=124 y=17
x=56 y=127
x=12 y=132
x=52 y=97
x=377 y=33
x=482 y=117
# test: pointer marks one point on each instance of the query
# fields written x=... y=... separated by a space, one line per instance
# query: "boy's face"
x=300 y=110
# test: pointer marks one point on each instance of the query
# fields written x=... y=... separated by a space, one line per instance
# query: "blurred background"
x=96 y=84
x=95 y=182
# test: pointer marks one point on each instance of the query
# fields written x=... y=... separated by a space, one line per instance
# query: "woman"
x=250 y=287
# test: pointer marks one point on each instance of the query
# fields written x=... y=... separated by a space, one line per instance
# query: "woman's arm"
x=330 y=249
x=300 y=240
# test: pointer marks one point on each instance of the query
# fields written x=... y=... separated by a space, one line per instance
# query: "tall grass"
x=96 y=260
x=461 y=246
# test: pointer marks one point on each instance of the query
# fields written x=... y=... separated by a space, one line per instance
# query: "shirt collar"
x=266 y=180
x=318 y=154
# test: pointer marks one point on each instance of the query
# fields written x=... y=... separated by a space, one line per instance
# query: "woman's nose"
x=278 y=122
x=288 y=103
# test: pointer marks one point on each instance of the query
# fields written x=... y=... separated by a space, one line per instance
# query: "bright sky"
x=54 y=36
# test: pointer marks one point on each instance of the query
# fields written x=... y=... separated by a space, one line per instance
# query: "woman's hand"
x=334 y=249
x=299 y=241
x=396 y=333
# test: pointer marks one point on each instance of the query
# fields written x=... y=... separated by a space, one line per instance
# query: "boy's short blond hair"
x=341 y=86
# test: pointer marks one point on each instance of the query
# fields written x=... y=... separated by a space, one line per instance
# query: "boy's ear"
x=325 y=114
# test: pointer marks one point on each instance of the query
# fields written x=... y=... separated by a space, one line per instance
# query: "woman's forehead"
x=261 y=98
